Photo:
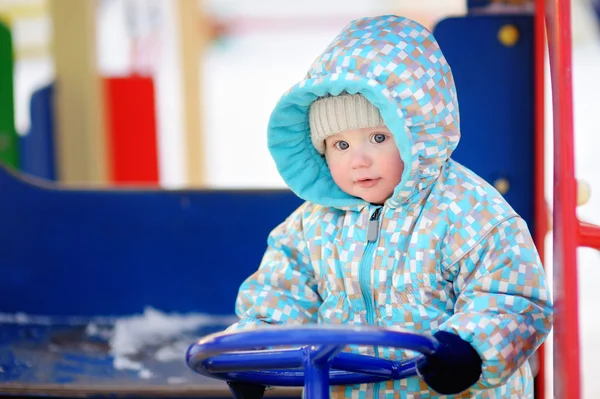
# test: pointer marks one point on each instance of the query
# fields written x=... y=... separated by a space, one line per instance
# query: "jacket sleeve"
x=503 y=306
x=283 y=290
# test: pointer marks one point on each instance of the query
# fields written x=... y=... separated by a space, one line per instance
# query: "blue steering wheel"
x=315 y=362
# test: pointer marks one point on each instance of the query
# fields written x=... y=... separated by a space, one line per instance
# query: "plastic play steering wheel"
x=315 y=362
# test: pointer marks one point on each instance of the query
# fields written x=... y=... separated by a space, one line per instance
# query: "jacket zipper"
x=364 y=277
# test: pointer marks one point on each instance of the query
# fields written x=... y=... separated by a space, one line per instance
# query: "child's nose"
x=361 y=160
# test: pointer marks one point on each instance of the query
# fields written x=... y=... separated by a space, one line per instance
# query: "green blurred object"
x=9 y=154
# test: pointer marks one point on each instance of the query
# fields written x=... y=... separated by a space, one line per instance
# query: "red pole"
x=540 y=207
x=566 y=230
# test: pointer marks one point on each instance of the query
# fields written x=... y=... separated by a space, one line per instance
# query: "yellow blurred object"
x=583 y=196
x=31 y=11
x=29 y=52
x=583 y=192
x=502 y=185
x=508 y=35
x=9 y=12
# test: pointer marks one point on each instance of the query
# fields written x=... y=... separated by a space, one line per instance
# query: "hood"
x=398 y=66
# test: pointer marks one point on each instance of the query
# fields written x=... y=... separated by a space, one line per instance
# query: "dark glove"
x=246 y=390
x=455 y=367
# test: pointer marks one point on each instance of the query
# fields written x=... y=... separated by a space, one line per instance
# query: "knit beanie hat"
x=333 y=114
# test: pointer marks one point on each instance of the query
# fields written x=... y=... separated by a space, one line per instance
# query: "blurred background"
x=177 y=94
x=208 y=73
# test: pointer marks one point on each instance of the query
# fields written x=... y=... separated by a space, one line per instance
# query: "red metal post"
x=540 y=207
x=567 y=383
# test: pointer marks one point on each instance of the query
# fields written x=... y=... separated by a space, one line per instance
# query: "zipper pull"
x=373 y=227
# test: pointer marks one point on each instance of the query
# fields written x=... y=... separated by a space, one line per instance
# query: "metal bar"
x=316 y=377
x=325 y=353
x=566 y=324
x=255 y=360
x=589 y=235
x=540 y=227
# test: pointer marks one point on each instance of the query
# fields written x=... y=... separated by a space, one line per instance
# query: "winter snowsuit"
x=450 y=253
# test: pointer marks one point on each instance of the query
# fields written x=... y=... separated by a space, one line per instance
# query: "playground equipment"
x=316 y=365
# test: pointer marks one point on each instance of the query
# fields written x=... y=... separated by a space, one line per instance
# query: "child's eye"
x=378 y=138
x=342 y=145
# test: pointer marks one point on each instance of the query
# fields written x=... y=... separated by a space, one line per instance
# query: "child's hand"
x=455 y=367
x=246 y=390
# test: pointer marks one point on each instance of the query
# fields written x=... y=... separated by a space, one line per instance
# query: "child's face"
x=365 y=163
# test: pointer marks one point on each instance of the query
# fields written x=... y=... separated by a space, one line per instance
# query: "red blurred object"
x=569 y=232
x=131 y=128
x=540 y=206
x=589 y=235
x=567 y=376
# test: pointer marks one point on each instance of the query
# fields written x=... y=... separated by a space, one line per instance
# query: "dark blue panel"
x=113 y=252
x=496 y=99
x=37 y=146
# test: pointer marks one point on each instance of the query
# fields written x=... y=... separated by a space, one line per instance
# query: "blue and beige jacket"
x=450 y=253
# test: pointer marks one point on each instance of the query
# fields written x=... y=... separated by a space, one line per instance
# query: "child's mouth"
x=367 y=183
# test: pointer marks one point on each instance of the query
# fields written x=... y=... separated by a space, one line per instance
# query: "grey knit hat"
x=333 y=114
